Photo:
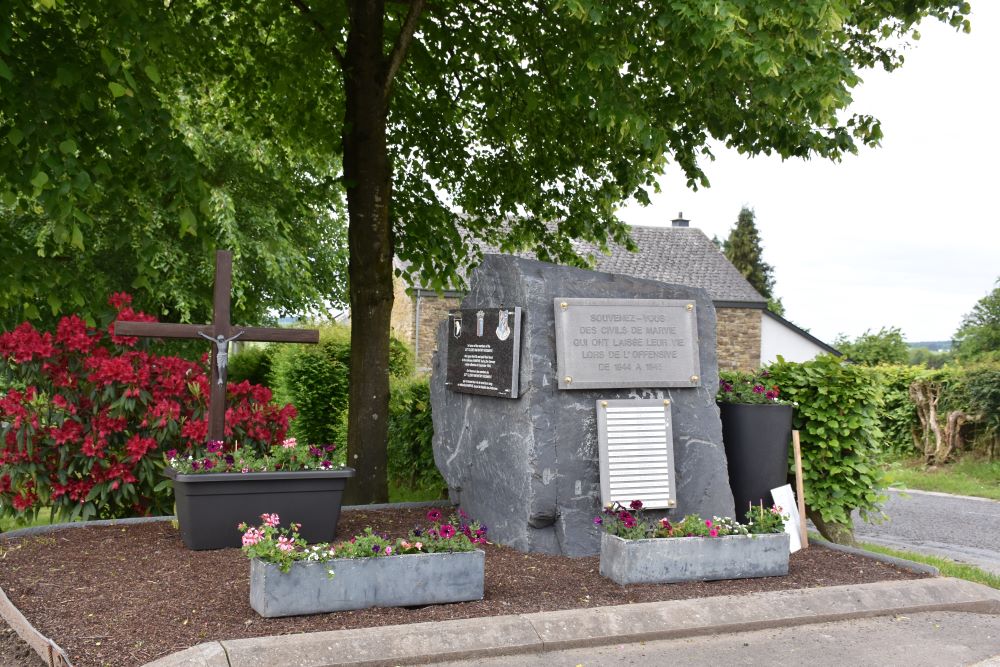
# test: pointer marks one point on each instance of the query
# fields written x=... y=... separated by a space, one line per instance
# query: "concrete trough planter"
x=358 y=583
x=211 y=505
x=673 y=559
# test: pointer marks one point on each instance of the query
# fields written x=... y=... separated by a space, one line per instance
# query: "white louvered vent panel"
x=636 y=452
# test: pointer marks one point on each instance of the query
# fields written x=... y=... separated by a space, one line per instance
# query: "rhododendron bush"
x=86 y=416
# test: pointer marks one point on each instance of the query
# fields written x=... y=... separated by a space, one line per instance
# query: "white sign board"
x=785 y=499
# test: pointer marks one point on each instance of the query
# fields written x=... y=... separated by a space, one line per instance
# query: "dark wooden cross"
x=220 y=332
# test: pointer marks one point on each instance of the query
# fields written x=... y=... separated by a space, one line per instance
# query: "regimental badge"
x=457 y=326
x=480 y=317
x=503 y=324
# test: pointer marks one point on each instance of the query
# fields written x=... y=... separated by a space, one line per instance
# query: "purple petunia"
x=214 y=446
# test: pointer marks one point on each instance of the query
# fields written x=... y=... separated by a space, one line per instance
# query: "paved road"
x=927 y=639
x=956 y=527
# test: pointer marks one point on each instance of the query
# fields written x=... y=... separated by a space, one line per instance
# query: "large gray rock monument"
x=528 y=467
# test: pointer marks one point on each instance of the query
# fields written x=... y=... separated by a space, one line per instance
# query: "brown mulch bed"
x=125 y=595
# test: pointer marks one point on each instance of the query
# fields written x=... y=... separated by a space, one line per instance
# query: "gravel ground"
x=125 y=595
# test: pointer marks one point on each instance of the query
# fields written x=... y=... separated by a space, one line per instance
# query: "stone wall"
x=433 y=311
x=738 y=338
x=403 y=318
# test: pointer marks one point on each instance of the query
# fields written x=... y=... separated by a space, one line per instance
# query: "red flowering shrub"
x=85 y=418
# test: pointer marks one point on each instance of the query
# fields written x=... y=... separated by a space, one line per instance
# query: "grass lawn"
x=7 y=523
x=949 y=568
x=968 y=476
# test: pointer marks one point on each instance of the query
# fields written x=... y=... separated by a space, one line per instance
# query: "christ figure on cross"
x=220 y=332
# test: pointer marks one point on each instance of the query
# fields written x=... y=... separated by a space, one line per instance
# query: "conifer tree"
x=744 y=250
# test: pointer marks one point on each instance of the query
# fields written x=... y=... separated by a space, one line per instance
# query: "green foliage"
x=871 y=349
x=934 y=359
x=121 y=165
x=982 y=392
x=411 y=435
x=253 y=364
x=743 y=249
x=978 y=336
x=314 y=378
x=899 y=421
x=837 y=416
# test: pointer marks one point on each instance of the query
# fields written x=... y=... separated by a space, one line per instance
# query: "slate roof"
x=681 y=255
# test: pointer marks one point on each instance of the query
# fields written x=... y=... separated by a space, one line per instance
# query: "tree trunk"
x=367 y=179
x=834 y=532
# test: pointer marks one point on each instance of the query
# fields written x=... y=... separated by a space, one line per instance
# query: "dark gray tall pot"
x=211 y=505
x=756 y=438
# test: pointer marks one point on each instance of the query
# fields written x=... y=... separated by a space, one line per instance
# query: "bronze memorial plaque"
x=626 y=343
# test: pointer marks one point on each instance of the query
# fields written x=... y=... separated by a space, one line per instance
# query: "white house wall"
x=776 y=338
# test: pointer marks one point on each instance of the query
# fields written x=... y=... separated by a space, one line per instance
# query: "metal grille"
x=637 y=452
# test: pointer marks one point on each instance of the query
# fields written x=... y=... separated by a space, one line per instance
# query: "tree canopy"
x=444 y=117
x=886 y=346
x=979 y=334
x=121 y=173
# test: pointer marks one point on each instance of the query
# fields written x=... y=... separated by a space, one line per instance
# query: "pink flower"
x=447 y=531
x=434 y=515
x=419 y=545
x=251 y=537
x=636 y=504
x=713 y=533
x=285 y=544
x=270 y=519
x=288 y=443
x=388 y=551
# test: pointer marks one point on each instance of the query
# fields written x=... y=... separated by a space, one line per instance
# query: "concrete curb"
x=505 y=635
x=912 y=566
x=938 y=494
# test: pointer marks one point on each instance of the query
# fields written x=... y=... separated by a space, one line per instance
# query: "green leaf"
x=40 y=179
x=77 y=238
x=54 y=303
x=15 y=136
x=189 y=223
x=118 y=89
x=68 y=147
x=152 y=73
x=5 y=71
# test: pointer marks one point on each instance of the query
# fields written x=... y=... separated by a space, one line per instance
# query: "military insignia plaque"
x=484 y=351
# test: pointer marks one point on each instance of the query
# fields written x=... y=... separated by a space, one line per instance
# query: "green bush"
x=899 y=420
x=252 y=363
x=982 y=392
x=838 y=418
x=411 y=432
x=314 y=378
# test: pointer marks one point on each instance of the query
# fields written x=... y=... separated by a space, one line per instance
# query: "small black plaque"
x=484 y=351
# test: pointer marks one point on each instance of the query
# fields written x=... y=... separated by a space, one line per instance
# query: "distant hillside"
x=933 y=345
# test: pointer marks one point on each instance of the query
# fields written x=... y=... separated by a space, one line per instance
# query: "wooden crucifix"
x=220 y=333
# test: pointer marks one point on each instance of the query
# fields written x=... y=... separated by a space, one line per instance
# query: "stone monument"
x=527 y=466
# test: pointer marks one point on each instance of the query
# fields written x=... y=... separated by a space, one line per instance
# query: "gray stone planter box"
x=358 y=583
x=211 y=505
x=673 y=559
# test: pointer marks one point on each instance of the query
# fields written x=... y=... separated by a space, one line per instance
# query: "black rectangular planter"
x=210 y=506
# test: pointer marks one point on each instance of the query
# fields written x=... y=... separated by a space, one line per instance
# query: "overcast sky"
x=905 y=235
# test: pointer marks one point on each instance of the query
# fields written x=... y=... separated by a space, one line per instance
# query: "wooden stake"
x=799 y=494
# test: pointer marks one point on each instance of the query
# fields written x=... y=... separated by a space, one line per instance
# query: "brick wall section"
x=402 y=319
x=433 y=310
x=738 y=338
